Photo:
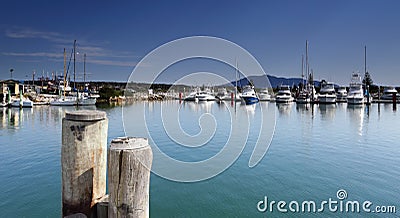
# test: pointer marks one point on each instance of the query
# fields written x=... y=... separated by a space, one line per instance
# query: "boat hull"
x=250 y=100
x=283 y=100
x=303 y=100
x=88 y=101
x=18 y=103
x=264 y=97
x=327 y=99
x=355 y=100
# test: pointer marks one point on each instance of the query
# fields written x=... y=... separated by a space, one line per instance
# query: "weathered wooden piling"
x=394 y=97
x=83 y=160
x=129 y=166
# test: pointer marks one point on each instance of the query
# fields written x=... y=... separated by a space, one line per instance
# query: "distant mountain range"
x=261 y=81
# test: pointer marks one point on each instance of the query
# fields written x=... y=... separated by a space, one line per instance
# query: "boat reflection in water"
x=357 y=116
x=328 y=111
x=284 y=108
x=14 y=118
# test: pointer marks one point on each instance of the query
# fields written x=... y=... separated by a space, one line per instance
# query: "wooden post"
x=129 y=166
x=394 y=101
x=83 y=160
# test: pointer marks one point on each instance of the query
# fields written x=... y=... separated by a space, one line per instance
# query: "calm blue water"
x=314 y=152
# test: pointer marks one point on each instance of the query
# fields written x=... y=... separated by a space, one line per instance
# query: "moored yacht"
x=205 y=95
x=388 y=93
x=193 y=95
x=264 y=95
x=327 y=93
x=341 y=94
x=355 y=95
x=248 y=95
x=284 y=95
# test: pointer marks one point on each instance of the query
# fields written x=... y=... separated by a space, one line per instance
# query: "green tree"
x=367 y=79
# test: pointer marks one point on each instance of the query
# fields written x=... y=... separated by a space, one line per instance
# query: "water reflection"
x=356 y=114
x=15 y=118
x=327 y=111
x=284 y=108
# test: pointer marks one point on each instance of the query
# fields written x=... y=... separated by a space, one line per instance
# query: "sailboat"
x=64 y=100
x=304 y=96
x=85 y=98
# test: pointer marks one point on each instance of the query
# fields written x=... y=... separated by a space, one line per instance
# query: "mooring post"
x=394 y=98
x=83 y=160
x=129 y=167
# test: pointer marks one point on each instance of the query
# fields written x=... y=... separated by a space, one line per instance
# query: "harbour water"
x=315 y=151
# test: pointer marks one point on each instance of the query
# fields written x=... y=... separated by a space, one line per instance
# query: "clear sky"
x=115 y=35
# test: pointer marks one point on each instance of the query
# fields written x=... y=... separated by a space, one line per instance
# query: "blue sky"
x=116 y=35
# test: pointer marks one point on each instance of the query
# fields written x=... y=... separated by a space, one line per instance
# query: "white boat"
x=355 y=95
x=264 y=95
x=22 y=103
x=341 y=94
x=327 y=93
x=388 y=93
x=86 y=99
x=205 y=95
x=304 y=97
x=224 y=95
x=248 y=95
x=64 y=101
x=192 y=95
x=284 y=95
x=304 y=94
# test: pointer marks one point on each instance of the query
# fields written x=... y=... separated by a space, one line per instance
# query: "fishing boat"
x=64 y=100
x=264 y=95
x=341 y=95
x=284 y=95
x=355 y=95
x=249 y=95
x=327 y=94
x=304 y=96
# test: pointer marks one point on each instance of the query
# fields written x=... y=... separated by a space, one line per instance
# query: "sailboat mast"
x=65 y=72
x=307 y=65
x=236 y=80
x=74 y=61
x=84 y=69
x=365 y=59
x=302 y=70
